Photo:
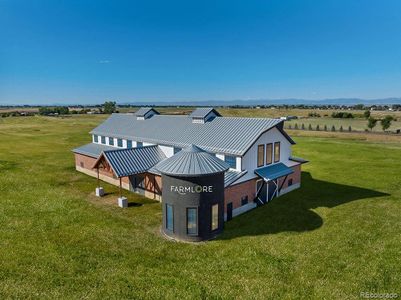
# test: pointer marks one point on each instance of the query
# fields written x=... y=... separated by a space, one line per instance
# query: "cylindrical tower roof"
x=192 y=162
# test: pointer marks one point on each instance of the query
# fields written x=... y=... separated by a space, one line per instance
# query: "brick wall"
x=234 y=193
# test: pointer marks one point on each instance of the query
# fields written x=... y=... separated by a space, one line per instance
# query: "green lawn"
x=337 y=236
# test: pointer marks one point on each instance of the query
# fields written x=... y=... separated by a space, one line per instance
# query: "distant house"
x=147 y=151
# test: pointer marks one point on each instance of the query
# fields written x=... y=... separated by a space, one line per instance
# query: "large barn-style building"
x=205 y=168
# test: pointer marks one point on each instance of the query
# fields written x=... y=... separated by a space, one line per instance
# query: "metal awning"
x=125 y=162
x=273 y=172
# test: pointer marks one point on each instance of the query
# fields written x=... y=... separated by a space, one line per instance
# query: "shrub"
x=349 y=128
x=303 y=126
x=296 y=126
x=333 y=128
x=341 y=128
x=310 y=127
x=325 y=127
x=342 y=115
x=317 y=128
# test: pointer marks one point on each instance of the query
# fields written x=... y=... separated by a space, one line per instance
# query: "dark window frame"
x=129 y=144
x=111 y=141
x=277 y=157
x=176 y=150
x=231 y=161
x=269 y=162
x=169 y=226
x=262 y=156
x=290 y=182
x=196 y=221
x=211 y=219
x=96 y=138
x=139 y=144
x=103 y=140
x=120 y=142
x=244 y=200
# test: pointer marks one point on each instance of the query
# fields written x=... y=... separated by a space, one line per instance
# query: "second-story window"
x=119 y=142
x=176 y=150
x=129 y=144
x=139 y=144
x=95 y=138
x=231 y=161
x=103 y=139
x=269 y=154
x=111 y=141
x=276 y=152
x=261 y=155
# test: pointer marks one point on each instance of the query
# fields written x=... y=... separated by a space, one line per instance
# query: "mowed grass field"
x=337 y=236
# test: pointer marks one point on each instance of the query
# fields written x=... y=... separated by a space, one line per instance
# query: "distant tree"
x=296 y=126
x=303 y=126
x=349 y=128
x=333 y=128
x=317 y=127
x=310 y=127
x=371 y=123
x=341 y=128
x=359 y=106
x=325 y=127
x=289 y=126
x=386 y=122
x=366 y=114
x=342 y=115
x=109 y=107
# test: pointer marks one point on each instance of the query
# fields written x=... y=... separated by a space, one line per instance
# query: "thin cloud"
x=104 y=61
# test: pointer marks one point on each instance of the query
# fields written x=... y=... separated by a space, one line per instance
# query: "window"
x=244 y=200
x=139 y=144
x=129 y=144
x=290 y=182
x=276 y=152
x=231 y=160
x=169 y=217
x=103 y=139
x=192 y=221
x=82 y=164
x=261 y=155
x=119 y=142
x=111 y=141
x=95 y=138
x=269 y=153
x=215 y=217
x=176 y=150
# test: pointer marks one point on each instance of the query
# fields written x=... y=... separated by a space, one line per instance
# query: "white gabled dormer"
x=145 y=113
x=203 y=115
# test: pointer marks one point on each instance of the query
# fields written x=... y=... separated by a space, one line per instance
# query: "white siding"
x=249 y=160
x=147 y=144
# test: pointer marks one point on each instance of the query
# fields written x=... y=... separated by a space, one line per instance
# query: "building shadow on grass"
x=293 y=211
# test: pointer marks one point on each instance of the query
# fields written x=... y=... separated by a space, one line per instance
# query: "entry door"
x=229 y=211
x=272 y=189
x=263 y=193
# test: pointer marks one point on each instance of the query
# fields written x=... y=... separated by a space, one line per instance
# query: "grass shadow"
x=293 y=212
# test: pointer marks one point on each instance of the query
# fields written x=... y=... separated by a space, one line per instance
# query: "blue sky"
x=91 y=51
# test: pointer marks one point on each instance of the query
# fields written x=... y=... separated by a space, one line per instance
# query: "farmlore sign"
x=183 y=190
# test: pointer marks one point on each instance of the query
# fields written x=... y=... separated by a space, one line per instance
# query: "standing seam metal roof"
x=227 y=135
x=192 y=161
x=125 y=162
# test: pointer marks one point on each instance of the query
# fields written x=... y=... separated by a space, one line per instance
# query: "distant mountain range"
x=240 y=102
x=255 y=102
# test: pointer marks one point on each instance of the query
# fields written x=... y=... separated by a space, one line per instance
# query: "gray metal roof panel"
x=202 y=112
x=92 y=149
x=125 y=162
x=228 y=135
x=231 y=176
x=192 y=161
x=144 y=110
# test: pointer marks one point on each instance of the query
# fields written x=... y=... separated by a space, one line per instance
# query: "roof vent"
x=145 y=113
x=203 y=115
